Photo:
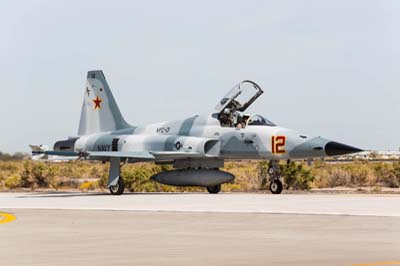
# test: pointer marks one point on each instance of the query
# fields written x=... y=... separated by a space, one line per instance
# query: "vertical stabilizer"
x=100 y=112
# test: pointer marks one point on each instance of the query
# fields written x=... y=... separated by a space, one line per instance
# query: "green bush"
x=12 y=182
x=26 y=180
x=42 y=175
x=297 y=175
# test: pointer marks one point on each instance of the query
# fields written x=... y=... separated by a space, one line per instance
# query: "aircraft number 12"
x=278 y=144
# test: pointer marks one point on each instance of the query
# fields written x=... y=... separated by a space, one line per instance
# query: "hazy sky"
x=329 y=68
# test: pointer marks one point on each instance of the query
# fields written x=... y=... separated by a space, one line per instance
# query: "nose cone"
x=333 y=148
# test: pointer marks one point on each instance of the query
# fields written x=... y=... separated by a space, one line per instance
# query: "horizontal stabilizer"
x=57 y=153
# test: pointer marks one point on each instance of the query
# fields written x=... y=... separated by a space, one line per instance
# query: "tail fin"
x=100 y=112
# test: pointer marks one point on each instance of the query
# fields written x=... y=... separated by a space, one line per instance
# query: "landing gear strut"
x=214 y=189
x=274 y=173
x=115 y=182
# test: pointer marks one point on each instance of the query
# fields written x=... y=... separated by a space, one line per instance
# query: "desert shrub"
x=97 y=171
x=262 y=171
x=361 y=175
x=67 y=183
x=357 y=174
x=42 y=175
x=65 y=170
x=137 y=178
x=396 y=173
x=38 y=175
x=246 y=175
x=103 y=180
x=297 y=175
x=12 y=182
x=250 y=175
x=26 y=180
x=388 y=175
x=2 y=179
x=337 y=177
x=8 y=167
x=350 y=175
x=231 y=187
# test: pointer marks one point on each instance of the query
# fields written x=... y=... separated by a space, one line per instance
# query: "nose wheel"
x=275 y=186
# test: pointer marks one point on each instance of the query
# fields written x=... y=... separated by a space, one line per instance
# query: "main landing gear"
x=214 y=189
x=115 y=181
x=118 y=188
x=275 y=186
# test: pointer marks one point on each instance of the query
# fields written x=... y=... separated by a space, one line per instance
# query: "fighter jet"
x=196 y=147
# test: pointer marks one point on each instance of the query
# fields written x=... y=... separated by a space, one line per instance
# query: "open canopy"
x=240 y=97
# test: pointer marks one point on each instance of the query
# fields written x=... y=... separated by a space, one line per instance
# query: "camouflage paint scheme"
x=196 y=142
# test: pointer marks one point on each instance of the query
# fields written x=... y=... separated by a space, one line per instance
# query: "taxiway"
x=199 y=229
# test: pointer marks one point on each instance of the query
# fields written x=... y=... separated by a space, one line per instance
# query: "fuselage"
x=191 y=134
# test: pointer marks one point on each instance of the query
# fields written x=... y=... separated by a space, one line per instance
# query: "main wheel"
x=276 y=187
x=214 y=189
x=118 y=189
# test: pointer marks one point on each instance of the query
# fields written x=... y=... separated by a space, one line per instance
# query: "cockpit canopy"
x=258 y=120
x=240 y=97
x=230 y=109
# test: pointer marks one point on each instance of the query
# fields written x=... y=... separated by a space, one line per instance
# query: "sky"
x=328 y=68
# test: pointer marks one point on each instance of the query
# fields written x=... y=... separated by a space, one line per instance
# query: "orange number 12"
x=278 y=144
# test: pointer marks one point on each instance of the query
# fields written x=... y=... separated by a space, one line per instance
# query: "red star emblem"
x=97 y=102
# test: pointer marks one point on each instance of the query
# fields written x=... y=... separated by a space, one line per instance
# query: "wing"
x=137 y=155
x=99 y=154
x=171 y=155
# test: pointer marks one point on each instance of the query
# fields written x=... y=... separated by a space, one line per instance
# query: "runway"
x=199 y=229
x=340 y=204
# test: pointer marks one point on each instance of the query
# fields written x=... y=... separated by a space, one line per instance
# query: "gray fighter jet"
x=196 y=147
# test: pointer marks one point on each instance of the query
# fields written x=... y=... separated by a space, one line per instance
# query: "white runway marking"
x=373 y=205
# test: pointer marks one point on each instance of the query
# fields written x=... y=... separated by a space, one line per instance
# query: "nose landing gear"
x=275 y=186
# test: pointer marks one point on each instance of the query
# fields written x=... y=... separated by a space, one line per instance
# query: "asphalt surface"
x=199 y=229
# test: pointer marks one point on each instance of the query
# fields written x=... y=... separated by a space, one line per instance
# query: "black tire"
x=214 y=189
x=276 y=187
x=119 y=188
